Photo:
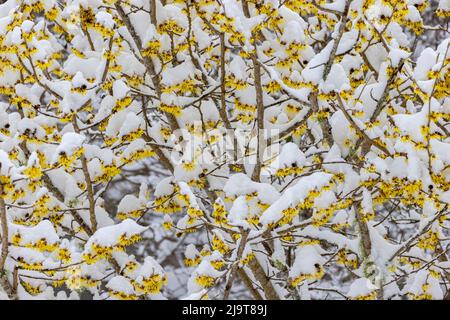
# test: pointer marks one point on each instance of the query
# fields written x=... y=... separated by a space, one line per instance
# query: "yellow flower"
x=33 y=290
x=108 y=172
x=248 y=258
x=191 y=262
x=67 y=160
x=218 y=244
x=205 y=281
x=309 y=276
x=33 y=173
x=122 y=295
x=152 y=284
x=131 y=214
x=172 y=109
x=219 y=213
x=152 y=48
x=122 y=104
x=52 y=14
x=370 y=296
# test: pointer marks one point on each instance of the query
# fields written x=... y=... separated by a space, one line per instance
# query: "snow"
x=149 y=267
x=93 y=151
x=31 y=235
x=335 y=238
x=16 y=36
x=422 y=277
x=315 y=68
x=204 y=269
x=105 y=19
x=289 y=156
x=27 y=124
x=336 y=80
x=27 y=26
x=441 y=150
x=240 y=184
x=131 y=123
x=347 y=42
x=196 y=295
x=239 y=212
x=78 y=80
x=120 y=284
x=191 y=252
x=413 y=14
x=102 y=217
x=325 y=199
x=116 y=122
x=172 y=76
x=382 y=250
x=135 y=145
x=129 y=203
x=120 y=89
x=109 y=236
x=294 y=195
x=444 y=5
x=186 y=190
x=70 y=142
x=164 y=187
x=300 y=94
x=410 y=123
x=341 y=216
x=366 y=202
x=396 y=55
x=306 y=260
x=65 y=183
x=300 y=172
x=361 y=287
x=6 y=164
x=87 y=67
x=338 y=5
x=238 y=67
x=293 y=32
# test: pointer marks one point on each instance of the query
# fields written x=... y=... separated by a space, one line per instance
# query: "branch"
x=337 y=40
x=5 y=250
x=407 y=245
x=259 y=117
x=89 y=187
x=148 y=62
x=4 y=223
x=359 y=130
